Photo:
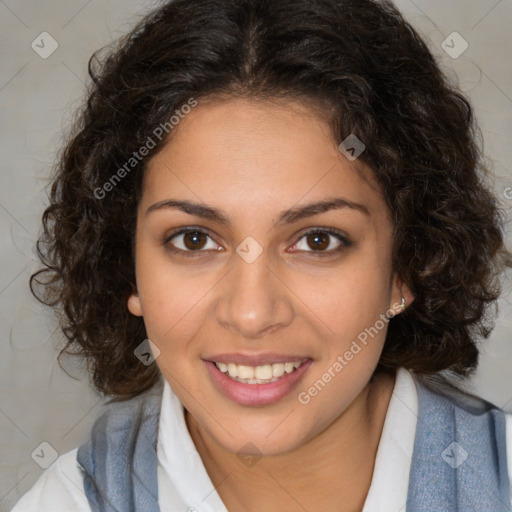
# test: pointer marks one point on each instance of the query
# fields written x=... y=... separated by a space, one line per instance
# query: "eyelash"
x=345 y=242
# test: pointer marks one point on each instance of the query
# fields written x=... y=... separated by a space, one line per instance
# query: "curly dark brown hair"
x=374 y=77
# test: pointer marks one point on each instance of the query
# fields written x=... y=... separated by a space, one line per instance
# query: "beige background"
x=40 y=403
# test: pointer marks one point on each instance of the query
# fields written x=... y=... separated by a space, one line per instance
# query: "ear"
x=134 y=305
x=400 y=289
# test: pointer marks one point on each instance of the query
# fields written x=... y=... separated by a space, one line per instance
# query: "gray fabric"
x=119 y=460
x=459 y=461
x=120 y=463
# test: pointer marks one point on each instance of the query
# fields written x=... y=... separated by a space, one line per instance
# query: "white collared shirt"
x=184 y=484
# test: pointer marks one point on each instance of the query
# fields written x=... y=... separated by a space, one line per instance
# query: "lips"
x=247 y=389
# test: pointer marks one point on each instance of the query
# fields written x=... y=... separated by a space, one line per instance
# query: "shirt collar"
x=183 y=466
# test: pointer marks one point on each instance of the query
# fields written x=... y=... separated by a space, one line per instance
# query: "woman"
x=272 y=240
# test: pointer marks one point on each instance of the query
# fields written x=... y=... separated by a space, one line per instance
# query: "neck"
x=335 y=467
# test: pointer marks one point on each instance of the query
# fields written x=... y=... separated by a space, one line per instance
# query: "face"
x=240 y=279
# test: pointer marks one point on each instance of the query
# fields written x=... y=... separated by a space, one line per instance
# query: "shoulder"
x=121 y=414
x=483 y=428
x=60 y=487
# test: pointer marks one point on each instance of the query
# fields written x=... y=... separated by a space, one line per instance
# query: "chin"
x=268 y=440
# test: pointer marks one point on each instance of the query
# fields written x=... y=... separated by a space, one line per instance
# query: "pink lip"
x=256 y=394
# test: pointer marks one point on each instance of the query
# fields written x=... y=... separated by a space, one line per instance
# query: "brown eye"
x=318 y=241
x=322 y=242
x=194 y=240
x=189 y=241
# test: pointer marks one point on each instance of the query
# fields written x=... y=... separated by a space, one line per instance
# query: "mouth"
x=267 y=380
x=263 y=374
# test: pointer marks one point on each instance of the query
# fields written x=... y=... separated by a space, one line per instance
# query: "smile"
x=257 y=374
x=263 y=384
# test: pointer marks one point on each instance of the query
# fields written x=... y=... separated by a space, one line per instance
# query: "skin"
x=252 y=160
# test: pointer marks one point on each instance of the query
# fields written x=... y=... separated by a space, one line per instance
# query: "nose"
x=254 y=299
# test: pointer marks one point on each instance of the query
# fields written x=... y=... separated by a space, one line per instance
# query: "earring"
x=403 y=305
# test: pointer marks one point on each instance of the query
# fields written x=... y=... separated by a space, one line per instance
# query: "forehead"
x=243 y=153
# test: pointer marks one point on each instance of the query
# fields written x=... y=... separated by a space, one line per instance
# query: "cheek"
x=169 y=297
x=171 y=313
x=348 y=299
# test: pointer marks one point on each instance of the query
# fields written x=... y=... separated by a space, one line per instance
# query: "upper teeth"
x=265 y=372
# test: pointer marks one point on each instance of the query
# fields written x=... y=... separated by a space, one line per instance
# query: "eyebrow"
x=285 y=217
